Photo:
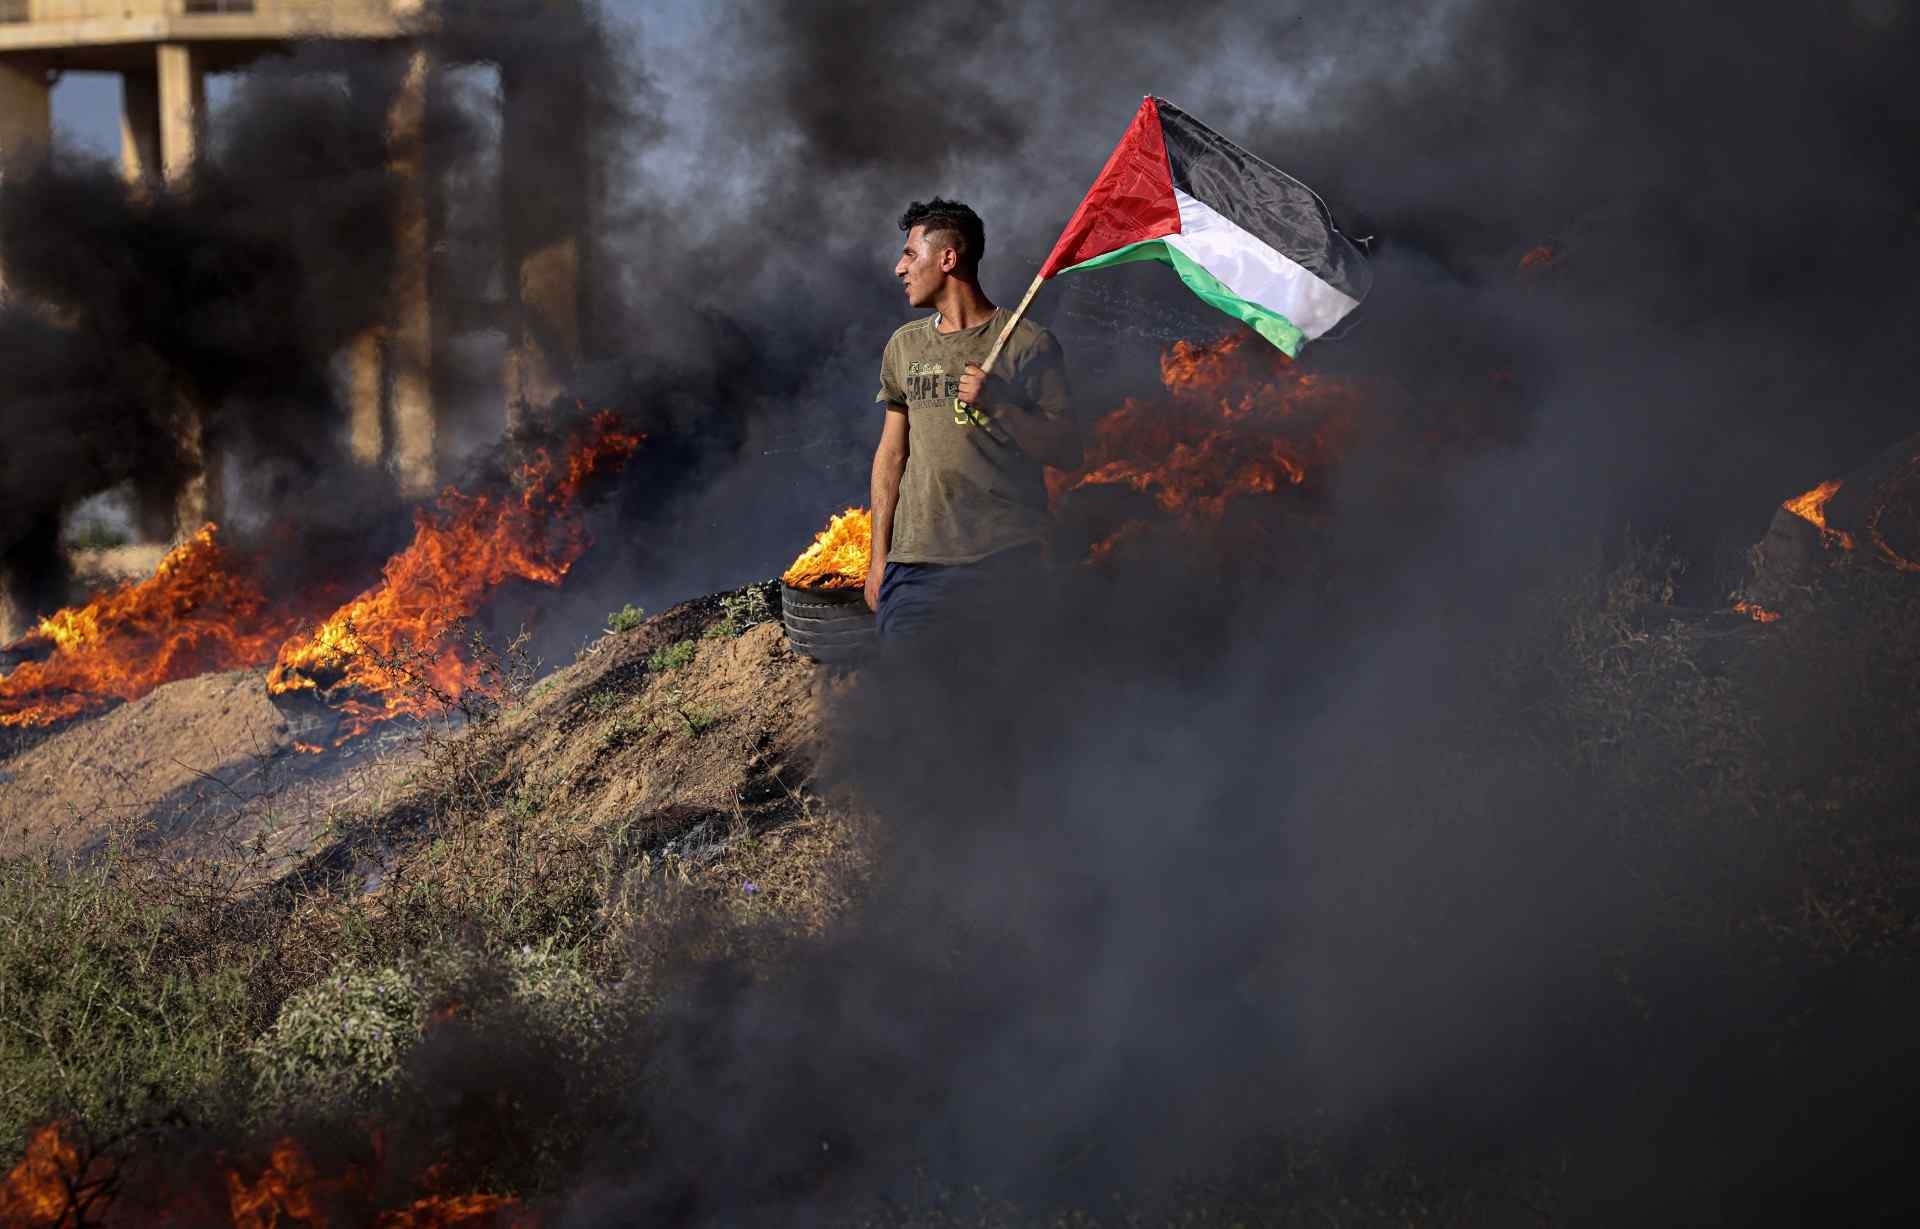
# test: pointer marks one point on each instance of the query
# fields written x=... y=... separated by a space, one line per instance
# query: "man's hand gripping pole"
x=964 y=413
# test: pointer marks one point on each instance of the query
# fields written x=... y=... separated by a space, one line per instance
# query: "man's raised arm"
x=889 y=462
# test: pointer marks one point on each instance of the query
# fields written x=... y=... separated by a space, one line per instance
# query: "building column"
x=199 y=498
x=546 y=344
x=140 y=127
x=410 y=338
x=26 y=108
x=389 y=369
x=26 y=129
x=543 y=140
x=33 y=576
x=366 y=397
x=13 y=624
x=156 y=492
x=183 y=105
x=182 y=90
x=26 y=119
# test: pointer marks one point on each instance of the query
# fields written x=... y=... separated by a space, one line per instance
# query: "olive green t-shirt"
x=966 y=495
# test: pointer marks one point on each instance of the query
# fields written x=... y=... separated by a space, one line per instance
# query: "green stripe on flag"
x=1270 y=324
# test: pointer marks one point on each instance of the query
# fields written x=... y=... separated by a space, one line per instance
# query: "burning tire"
x=831 y=626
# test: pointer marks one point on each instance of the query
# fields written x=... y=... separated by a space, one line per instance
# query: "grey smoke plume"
x=233 y=301
x=1729 y=213
x=1183 y=861
x=1185 y=858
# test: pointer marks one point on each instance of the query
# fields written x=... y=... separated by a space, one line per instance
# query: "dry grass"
x=651 y=804
x=137 y=981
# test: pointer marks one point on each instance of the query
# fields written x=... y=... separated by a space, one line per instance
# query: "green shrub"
x=671 y=656
x=697 y=719
x=626 y=618
x=745 y=609
x=554 y=992
x=340 y=1042
x=116 y=1002
x=621 y=731
x=344 y=1042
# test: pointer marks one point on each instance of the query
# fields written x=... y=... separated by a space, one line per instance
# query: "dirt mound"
x=203 y=767
x=156 y=759
x=690 y=737
x=687 y=744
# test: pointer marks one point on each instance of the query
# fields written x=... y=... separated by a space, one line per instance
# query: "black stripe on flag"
x=1263 y=200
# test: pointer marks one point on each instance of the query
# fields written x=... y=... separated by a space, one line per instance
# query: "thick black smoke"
x=1183 y=863
x=1179 y=862
x=231 y=301
x=148 y=327
x=1729 y=201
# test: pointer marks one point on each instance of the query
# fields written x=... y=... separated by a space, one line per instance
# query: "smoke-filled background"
x=1727 y=201
x=1184 y=861
x=1183 y=864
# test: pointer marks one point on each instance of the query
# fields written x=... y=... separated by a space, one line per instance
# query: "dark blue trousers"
x=922 y=599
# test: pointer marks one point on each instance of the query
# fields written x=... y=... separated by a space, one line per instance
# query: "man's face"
x=923 y=267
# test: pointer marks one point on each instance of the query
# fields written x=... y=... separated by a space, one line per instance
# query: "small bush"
x=671 y=657
x=118 y=1000
x=602 y=703
x=553 y=990
x=697 y=719
x=621 y=731
x=345 y=1042
x=745 y=609
x=626 y=618
x=340 y=1042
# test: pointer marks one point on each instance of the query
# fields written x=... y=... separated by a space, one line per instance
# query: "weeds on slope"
x=1761 y=780
x=136 y=990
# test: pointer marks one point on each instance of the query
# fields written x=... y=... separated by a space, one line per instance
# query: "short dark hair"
x=966 y=233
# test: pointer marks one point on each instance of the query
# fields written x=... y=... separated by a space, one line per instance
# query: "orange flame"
x=51 y=1188
x=839 y=554
x=1812 y=508
x=462 y=549
x=203 y=610
x=199 y=611
x=1756 y=612
x=1238 y=420
x=290 y=1185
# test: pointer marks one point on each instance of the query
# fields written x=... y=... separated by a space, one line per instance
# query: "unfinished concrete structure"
x=163 y=50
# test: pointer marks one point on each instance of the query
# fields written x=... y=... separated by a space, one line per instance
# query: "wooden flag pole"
x=961 y=408
x=999 y=343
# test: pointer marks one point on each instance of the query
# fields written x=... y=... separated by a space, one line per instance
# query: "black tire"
x=832 y=626
x=309 y=719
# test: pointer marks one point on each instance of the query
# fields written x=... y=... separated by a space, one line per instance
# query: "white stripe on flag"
x=1256 y=272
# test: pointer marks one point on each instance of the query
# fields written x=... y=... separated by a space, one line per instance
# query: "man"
x=959 y=502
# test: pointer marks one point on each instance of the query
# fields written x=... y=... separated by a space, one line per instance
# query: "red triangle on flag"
x=1131 y=200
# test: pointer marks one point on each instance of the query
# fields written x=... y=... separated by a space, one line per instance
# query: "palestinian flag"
x=1246 y=237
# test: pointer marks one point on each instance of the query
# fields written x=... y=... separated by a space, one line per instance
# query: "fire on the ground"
x=839 y=554
x=54 y=1186
x=204 y=609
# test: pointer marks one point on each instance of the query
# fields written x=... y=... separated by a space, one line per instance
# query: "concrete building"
x=163 y=50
